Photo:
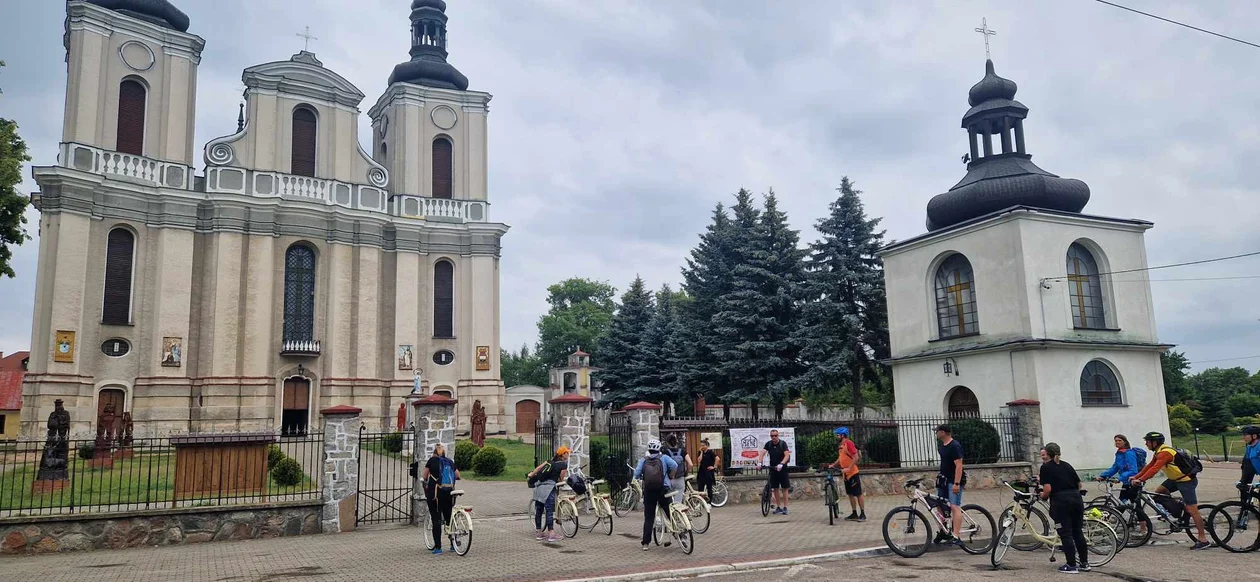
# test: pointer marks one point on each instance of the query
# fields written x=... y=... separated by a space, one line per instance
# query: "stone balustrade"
x=114 y=164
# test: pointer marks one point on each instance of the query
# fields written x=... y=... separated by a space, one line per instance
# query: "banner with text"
x=747 y=444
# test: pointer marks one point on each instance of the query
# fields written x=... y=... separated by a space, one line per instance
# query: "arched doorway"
x=527 y=414
x=963 y=403
x=296 y=406
x=111 y=403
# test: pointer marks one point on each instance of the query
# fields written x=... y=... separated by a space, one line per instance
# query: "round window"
x=443 y=357
x=116 y=348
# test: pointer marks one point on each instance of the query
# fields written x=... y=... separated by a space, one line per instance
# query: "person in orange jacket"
x=1175 y=480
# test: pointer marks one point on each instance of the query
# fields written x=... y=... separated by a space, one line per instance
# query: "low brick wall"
x=747 y=488
x=69 y=533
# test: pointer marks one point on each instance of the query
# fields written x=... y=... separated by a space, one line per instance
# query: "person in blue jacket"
x=1251 y=460
x=1124 y=468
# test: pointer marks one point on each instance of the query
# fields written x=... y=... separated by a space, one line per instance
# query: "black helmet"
x=1158 y=437
x=1251 y=429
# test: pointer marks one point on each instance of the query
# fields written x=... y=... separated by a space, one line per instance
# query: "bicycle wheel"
x=1022 y=539
x=906 y=531
x=1140 y=528
x=658 y=527
x=567 y=517
x=625 y=501
x=698 y=511
x=1101 y=542
x=605 y=513
x=720 y=494
x=461 y=532
x=1232 y=526
x=686 y=541
x=1192 y=531
x=426 y=527
x=831 y=498
x=977 y=531
x=1117 y=520
x=765 y=501
x=1004 y=539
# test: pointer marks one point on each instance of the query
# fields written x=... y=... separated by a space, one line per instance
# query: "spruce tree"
x=622 y=358
x=659 y=379
x=706 y=278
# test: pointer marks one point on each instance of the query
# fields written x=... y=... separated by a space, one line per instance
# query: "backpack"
x=1187 y=462
x=653 y=474
x=577 y=484
x=447 y=480
x=542 y=475
x=677 y=456
x=1140 y=454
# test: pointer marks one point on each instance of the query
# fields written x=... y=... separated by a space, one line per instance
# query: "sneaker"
x=645 y=546
x=1085 y=568
x=1069 y=569
x=554 y=538
x=941 y=537
x=1201 y=546
x=777 y=511
x=437 y=551
x=784 y=511
x=852 y=517
x=956 y=542
x=862 y=517
x=540 y=535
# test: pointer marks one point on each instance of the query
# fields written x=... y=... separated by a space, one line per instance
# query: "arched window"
x=120 y=259
x=444 y=299
x=304 y=126
x=442 y=170
x=1099 y=385
x=956 y=298
x=299 y=293
x=963 y=403
x=131 y=102
x=1085 y=288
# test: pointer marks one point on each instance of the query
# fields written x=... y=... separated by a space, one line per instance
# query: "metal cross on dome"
x=987 y=32
x=306 y=35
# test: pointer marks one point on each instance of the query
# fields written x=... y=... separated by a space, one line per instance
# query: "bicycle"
x=831 y=496
x=1139 y=523
x=599 y=504
x=677 y=524
x=458 y=531
x=720 y=492
x=697 y=506
x=977 y=523
x=1101 y=540
x=566 y=510
x=1239 y=517
x=629 y=497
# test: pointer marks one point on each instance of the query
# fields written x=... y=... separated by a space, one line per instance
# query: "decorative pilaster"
x=1028 y=414
x=340 y=492
x=571 y=415
x=645 y=417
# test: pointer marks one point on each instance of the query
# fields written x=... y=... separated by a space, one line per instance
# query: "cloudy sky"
x=616 y=125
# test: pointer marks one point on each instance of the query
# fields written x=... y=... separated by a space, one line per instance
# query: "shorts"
x=779 y=479
x=947 y=492
x=853 y=486
x=1187 y=489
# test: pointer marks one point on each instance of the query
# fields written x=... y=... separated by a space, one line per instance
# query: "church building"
x=284 y=269
x=1014 y=294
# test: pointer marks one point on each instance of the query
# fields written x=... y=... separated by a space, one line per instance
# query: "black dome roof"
x=991 y=87
x=159 y=12
x=428 y=64
x=439 y=4
x=432 y=73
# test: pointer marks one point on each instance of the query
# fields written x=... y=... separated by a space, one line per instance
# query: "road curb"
x=740 y=566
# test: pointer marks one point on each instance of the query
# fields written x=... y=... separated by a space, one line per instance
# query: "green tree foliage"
x=579 y=313
x=884 y=448
x=274 y=455
x=1244 y=404
x=489 y=461
x=823 y=449
x=1176 y=386
x=287 y=472
x=623 y=352
x=662 y=350
x=1183 y=412
x=981 y=442
x=1216 y=416
x=393 y=442
x=464 y=453
x=1180 y=427
x=522 y=368
x=706 y=278
x=12 y=204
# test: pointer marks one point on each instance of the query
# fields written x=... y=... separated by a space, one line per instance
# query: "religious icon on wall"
x=63 y=346
x=483 y=358
x=172 y=352
x=406 y=357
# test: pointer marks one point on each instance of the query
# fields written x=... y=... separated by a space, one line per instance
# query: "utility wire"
x=1226 y=359
x=1186 y=264
x=1185 y=279
x=1170 y=21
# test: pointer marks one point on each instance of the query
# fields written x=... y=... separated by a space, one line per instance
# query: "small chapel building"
x=1014 y=294
x=286 y=268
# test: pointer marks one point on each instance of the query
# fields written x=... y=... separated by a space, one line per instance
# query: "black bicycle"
x=1159 y=520
x=1235 y=525
x=831 y=496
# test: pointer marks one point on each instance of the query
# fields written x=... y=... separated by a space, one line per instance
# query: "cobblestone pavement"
x=504 y=548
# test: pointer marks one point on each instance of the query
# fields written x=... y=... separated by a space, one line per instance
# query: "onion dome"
x=428 y=64
x=159 y=12
x=995 y=179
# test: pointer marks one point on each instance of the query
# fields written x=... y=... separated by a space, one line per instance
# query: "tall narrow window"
x=304 y=130
x=1099 y=385
x=956 y=298
x=1085 y=288
x=119 y=259
x=442 y=168
x=444 y=299
x=131 y=98
x=299 y=293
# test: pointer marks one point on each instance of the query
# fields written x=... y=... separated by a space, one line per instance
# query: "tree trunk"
x=756 y=411
x=859 y=405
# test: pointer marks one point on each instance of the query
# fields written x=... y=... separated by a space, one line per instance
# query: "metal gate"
x=384 y=479
x=544 y=441
x=620 y=451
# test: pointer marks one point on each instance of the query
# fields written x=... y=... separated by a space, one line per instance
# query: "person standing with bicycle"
x=1125 y=467
x=950 y=480
x=847 y=462
x=779 y=455
x=545 y=478
x=1175 y=479
x=654 y=470
x=1062 y=487
x=437 y=481
x=1251 y=459
x=706 y=471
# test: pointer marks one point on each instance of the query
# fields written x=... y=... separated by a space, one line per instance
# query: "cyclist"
x=706 y=472
x=1174 y=480
x=654 y=469
x=1251 y=459
x=950 y=480
x=683 y=460
x=548 y=475
x=1062 y=487
x=780 y=455
x=847 y=462
x=438 y=480
x=1124 y=468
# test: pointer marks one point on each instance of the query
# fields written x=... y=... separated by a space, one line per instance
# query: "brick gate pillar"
x=571 y=415
x=645 y=420
x=340 y=492
x=435 y=423
x=1028 y=414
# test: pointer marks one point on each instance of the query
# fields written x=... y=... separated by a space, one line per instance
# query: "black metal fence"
x=385 y=482
x=196 y=470
x=620 y=451
x=544 y=441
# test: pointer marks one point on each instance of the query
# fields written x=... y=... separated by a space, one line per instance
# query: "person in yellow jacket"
x=1174 y=480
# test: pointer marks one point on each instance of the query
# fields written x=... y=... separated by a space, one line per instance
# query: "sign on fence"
x=747 y=444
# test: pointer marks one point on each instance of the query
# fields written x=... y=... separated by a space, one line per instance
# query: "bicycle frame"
x=932 y=502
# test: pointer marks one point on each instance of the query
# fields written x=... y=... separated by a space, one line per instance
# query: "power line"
x=1168 y=20
x=1185 y=264
x=1226 y=359
x=1185 y=279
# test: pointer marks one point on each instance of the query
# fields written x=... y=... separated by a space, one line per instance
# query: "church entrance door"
x=963 y=403
x=527 y=414
x=109 y=408
x=296 y=407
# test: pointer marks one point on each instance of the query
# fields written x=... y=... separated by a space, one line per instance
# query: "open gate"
x=384 y=479
x=620 y=451
x=544 y=441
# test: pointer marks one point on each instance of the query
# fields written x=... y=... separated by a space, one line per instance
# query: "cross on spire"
x=306 y=36
x=987 y=32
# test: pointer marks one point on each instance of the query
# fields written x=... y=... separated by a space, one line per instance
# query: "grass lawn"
x=1210 y=444
x=520 y=460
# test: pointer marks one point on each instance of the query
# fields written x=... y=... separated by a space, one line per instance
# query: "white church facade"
x=1014 y=294
x=296 y=272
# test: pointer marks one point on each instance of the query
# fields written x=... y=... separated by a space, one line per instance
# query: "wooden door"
x=296 y=404
x=114 y=401
x=963 y=403
x=527 y=414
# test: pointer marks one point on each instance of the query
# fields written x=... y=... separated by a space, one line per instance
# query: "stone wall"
x=747 y=488
x=340 y=489
x=69 y=533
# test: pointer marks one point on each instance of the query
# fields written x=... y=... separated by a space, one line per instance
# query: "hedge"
x=489 y=461
x=464 y=453
x=884 y=448
x=981 y=442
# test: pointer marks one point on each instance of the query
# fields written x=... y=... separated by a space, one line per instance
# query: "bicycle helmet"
x=1251 y=429
x=1158 y=437
x=842 y=431
x=654 y=446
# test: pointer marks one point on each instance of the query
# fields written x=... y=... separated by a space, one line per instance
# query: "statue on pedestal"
x=53 y=464
x=478 y=424
x=106 y=431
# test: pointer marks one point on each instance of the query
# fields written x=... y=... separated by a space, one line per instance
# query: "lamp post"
x=1196 y=441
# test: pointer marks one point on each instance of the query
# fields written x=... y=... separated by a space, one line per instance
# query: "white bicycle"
x=458 y=531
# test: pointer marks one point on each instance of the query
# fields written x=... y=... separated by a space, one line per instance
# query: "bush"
x=884 y=448
x=1184 y=412
x=393 y=442
x=1180 y=427
x=1243 y=404
x=87 y=451
x=489 y=461
x=464 y=453
x=599 y=458
x=822 y=449
x=274 y=455
x=982 y=444
x=287 y=473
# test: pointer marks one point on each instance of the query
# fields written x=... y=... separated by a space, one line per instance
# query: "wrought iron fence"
x=544 y=441
x=193 y=470
x=385 y=481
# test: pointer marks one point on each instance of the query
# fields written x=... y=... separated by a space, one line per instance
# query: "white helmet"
x=654 y=446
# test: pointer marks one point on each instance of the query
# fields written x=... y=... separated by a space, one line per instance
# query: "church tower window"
x=304 y=132
x=299 y=293
x=956 y=298
x=119 y=259
x=442 y=170
x=1085 y=289
x=444 y=300
x=1099 y=385
x=131 y=105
